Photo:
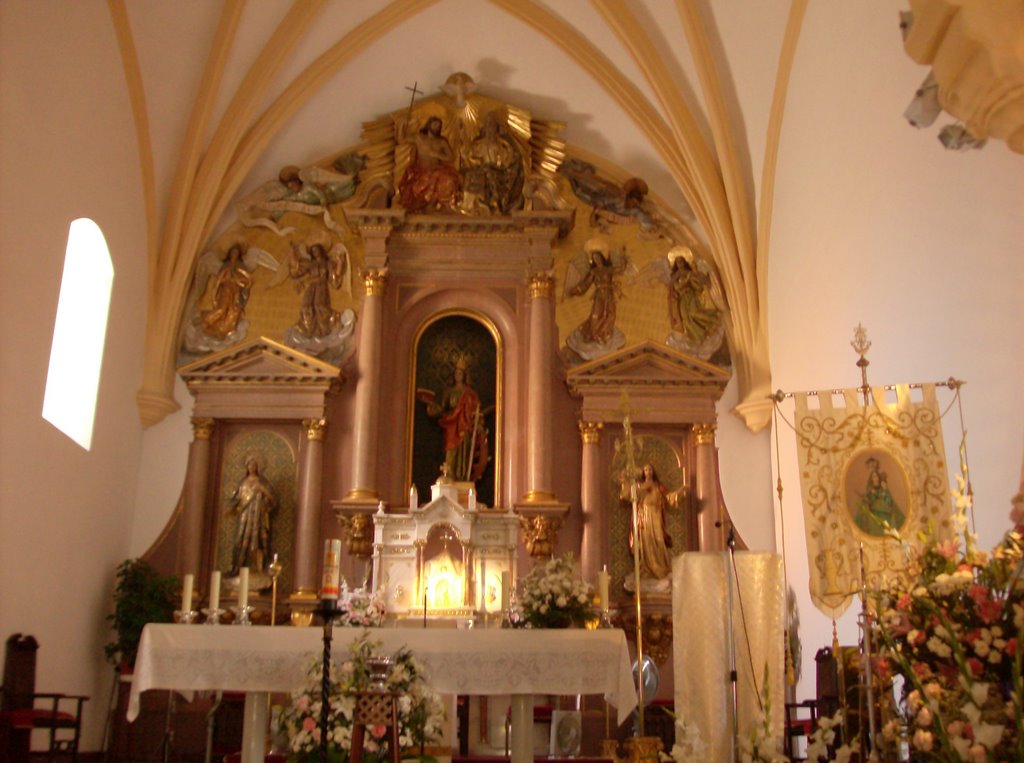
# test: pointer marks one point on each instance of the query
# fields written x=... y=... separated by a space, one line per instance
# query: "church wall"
x=875 y=223
x=68 y=150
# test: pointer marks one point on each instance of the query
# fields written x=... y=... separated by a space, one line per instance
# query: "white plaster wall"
x=67 y=151
x=875 y=223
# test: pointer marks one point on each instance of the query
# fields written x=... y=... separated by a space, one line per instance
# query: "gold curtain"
x=866 y=471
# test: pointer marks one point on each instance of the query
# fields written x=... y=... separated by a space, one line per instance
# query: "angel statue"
x=598 y=267
x=223 y=323
x=320 y=329
x=307 y=191
x=613 y=203
x=696 y=304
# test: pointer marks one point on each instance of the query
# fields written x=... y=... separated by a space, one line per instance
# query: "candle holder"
x=213 y=615
x=274 y=570
x=185 y=617
x=606 y=620
x=242 y=615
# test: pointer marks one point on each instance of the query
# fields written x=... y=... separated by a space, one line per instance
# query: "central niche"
x=456 y=392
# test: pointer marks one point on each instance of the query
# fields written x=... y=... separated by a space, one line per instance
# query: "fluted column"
x=538 y=406
x=594 y=515
x=196 y=483
x=710 y=528
x=307 y=513
x=367 y=402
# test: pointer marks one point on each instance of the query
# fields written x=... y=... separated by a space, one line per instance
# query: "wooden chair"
x=23 y=709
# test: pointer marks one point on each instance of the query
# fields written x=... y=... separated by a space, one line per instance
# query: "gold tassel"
x=790 y=669
x=835 y=640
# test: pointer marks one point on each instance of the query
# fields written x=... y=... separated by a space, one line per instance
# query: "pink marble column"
x=594 y=515
x=367 y=402
x=307 y=512
x=710 y=527
x=196 y=483
x=538 y=406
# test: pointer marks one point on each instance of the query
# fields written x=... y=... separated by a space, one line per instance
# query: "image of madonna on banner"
x=872 y=475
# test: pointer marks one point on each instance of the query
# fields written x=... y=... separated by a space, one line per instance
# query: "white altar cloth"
x=477 y=661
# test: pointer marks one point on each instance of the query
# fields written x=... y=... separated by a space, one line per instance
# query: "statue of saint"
x=430 y=182
x=599 y=269
x=252 y=502
x=655 y=542
x=493 y=166
x=315 y=271
x=459 y=413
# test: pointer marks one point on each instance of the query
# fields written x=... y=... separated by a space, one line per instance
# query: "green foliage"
x=142 y=595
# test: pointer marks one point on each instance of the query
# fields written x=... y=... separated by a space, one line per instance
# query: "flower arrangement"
x=360 y=607
x=954 y=636
x=420 y=712
x=555 y=596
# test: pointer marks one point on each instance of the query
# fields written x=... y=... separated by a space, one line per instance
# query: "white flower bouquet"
x=360 y=607
x=420 y=712
x=555 y=596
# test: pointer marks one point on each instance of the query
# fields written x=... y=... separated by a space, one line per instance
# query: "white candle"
x=414 y=499
x=215 y=589
x=243 y=588
x=506 y=589
x=186 y=593
x=331 y=581
x=472 y=499
x=602 y=587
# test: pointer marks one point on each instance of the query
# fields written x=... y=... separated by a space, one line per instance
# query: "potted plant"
x=142 y=595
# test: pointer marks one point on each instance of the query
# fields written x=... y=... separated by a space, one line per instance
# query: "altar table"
x=260 y=659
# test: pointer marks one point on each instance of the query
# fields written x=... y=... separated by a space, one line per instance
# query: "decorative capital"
x=375 y=282
x=541 y=285
x=540 y=534
x=202 y=427
x=316 y=429
x=704 y=433
x=358 y=532
x=590 y=431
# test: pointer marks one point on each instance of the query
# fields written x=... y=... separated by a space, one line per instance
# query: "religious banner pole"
x=631 y=473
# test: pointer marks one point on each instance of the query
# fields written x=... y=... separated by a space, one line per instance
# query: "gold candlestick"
x=273 y=569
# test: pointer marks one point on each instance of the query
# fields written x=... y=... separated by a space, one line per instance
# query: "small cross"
x=415 y=91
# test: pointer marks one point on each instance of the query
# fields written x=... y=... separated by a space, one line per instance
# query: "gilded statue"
x=600 y=269
x=253 y=502
x=316 y=270
x=696 y=305
x=223 y=322
x=430 y=183
x=493 y=169
x=652 y=500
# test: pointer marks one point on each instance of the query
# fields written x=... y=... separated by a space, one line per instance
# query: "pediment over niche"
x=262 y=375
x=662 y=385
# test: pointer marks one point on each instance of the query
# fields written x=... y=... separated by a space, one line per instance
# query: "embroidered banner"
x=865 y=472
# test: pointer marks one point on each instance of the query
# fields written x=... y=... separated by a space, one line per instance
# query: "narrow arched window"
x=76 y=355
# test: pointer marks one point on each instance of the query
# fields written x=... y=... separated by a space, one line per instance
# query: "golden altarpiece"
x=426 y=344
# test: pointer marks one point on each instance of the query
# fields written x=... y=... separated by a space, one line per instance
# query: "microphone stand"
x=730 y=544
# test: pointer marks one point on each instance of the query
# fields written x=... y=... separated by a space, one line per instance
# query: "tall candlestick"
x=331 y=582
x=602 y=587
x=506 y=590
x=186 y=593
x=215 y=589
x=243 y=588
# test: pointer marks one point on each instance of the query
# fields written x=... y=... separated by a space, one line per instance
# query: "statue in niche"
x=320 y=329
x=493 y=169
x=461 y=416
x=599 y=268
x=308 y=191
x=652 y=499
x=253 y=501
x=430 y=183
x=696 y=305
x=223 y=322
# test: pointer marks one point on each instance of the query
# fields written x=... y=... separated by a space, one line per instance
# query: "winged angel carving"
x=223 y=323
x=598 y=267
x=696 y=303
x=321 y=330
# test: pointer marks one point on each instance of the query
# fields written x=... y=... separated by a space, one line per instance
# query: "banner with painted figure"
x=871 y=478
